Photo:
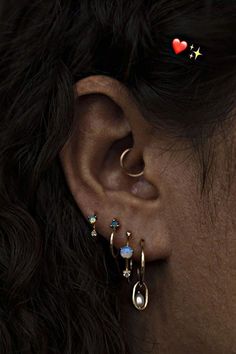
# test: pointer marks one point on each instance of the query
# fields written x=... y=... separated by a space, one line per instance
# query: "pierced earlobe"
x=92 y=220
x=140 y=290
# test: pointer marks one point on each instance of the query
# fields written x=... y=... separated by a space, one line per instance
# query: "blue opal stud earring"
x=92 y=220
x=114 y=226
x=126 y=252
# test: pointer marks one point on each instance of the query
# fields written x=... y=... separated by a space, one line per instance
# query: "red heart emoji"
x=179 y=46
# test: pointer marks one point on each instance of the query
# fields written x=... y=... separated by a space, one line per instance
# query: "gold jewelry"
x=114 y=226
x=126 y=252
x=92 y=220
x=122 y=157
x=140 y=290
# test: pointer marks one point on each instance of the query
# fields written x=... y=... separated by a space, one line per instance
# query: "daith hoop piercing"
x=122 y=157
x=92 y=220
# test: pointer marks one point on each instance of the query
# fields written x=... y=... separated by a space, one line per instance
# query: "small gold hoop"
x=114 y=254
x=142 y=264
x=114 y=226
x=122 y=157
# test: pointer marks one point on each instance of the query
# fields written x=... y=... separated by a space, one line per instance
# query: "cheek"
x=199 y=282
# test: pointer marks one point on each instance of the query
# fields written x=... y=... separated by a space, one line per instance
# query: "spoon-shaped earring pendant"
x=140 y=289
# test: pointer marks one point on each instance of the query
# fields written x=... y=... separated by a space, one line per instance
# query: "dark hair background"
x=56 y=294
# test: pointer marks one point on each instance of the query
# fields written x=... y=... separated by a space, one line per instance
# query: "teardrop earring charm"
x=92 y=220
x=114 y=226
x=126 y=252
x=140 y=289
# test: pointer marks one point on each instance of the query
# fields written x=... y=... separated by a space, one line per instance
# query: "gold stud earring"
x=122 y=157
x=126 y=252
x=140 y=290
x=92 y=220
x=114 y=226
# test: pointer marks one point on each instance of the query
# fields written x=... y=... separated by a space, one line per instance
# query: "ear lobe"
x=103 y=129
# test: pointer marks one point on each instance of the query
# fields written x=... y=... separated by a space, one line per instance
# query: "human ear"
x=107 y=122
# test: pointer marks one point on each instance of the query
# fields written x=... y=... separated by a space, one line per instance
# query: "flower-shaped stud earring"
x=92 y=220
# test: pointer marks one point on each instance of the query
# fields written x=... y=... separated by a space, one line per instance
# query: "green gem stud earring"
x=92 y=220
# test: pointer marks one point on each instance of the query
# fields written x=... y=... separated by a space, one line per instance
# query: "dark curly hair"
x=56 y=295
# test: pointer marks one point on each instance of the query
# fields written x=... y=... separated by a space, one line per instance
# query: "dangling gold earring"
x=126 y=252
x=92 y=220
x=114 y=226
x=140 y=290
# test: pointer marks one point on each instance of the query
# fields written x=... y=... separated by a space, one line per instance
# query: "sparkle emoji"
x=197 y=53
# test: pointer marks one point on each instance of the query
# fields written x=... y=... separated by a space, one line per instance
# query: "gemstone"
x=126 y=273
x=115 y=224
x=92 y=219
x=126 y=252
x=94 y=233
x=139 y=299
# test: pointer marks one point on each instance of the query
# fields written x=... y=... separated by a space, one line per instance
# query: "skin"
x=190 y=239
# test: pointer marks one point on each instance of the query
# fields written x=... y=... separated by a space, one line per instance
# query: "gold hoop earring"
x=140 y=290
x=92 y=220
x=114 y=226
x=126 y=252
x=122 y=157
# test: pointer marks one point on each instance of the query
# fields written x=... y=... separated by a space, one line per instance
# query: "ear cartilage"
x=92 y=220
